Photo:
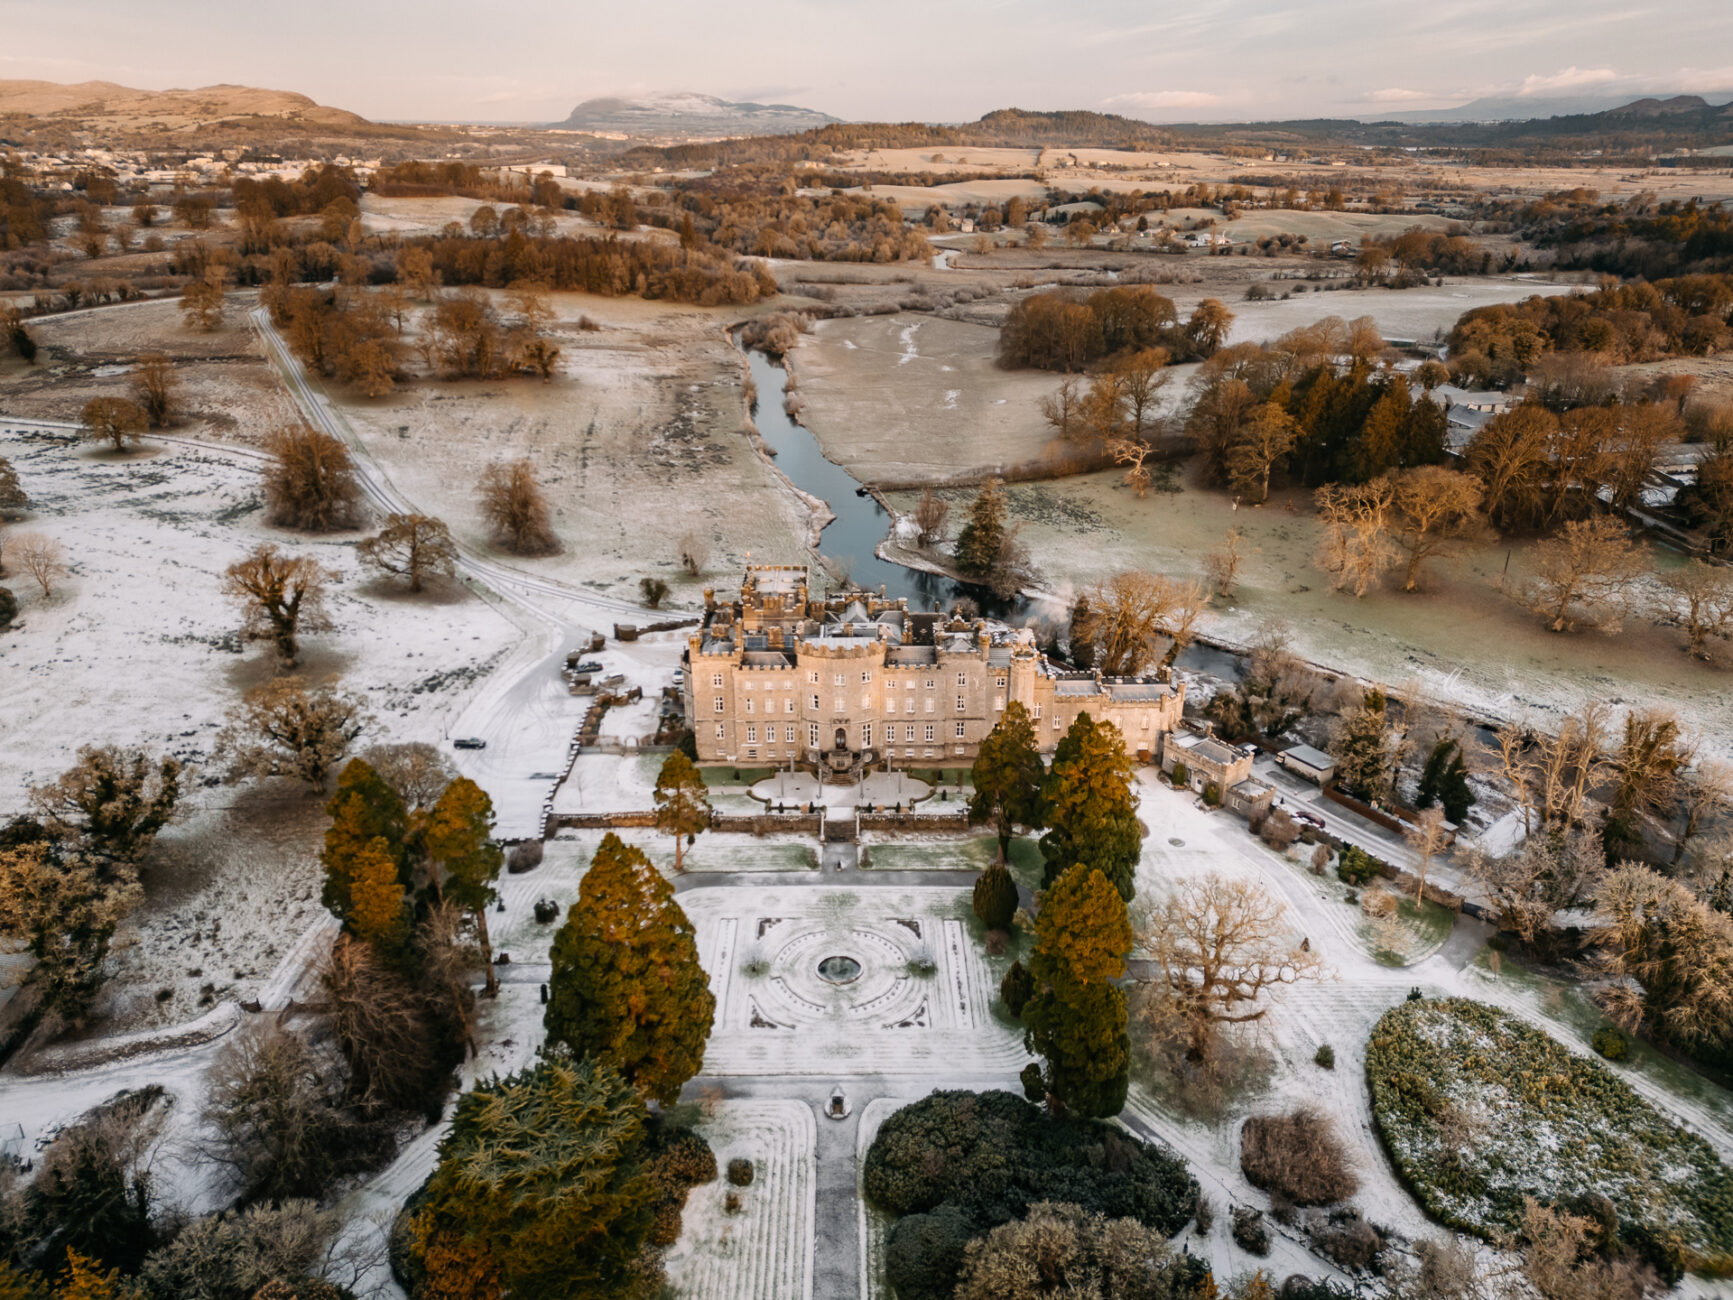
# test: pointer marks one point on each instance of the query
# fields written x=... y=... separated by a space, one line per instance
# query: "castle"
x=853 y=680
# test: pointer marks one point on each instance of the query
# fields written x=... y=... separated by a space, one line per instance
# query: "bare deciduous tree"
x=516 y=510
x=1143 y=377
x=411 y=546
x=202 y=299
x=288 y=728
x=694 y=552
x=156 y=384
x=1222 y=947
x=1427 y=837
x=281 y=596
x=1433 y=506
x=1132 y=452
x=1222 y=565
x=1126 y=618
x=1702 y=604
x=1546 y=873
x=932 y=512
x=41 y=557
x=416 y=770
x=1584 y=575
x=1356 y=547
x=311 y=480
x=1262 y=441
x=1062 y=409
x=112 y=419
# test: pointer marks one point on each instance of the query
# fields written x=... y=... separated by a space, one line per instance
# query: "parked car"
x=469 y=742
x=679 y=677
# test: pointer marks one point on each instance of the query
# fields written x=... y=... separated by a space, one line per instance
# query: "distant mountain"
x=1530 y=109
x=102 y=103
x=687 y=115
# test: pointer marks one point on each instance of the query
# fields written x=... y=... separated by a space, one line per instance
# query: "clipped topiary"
x=1016 y=988
x=740 y=1172
x=1325 y=1056
x=995 y=897
x=1611 y=1043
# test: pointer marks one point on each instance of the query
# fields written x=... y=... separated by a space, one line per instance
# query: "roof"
x=1313 y=758
x=1137 y=690
x=911 y=656
x=1252 y=789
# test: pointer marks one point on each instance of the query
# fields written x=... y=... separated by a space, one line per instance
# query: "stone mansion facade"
x=778 y=678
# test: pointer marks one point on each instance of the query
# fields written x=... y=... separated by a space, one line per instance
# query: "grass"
x=1479 y=1111
x=958 y=855
x=1424 y=927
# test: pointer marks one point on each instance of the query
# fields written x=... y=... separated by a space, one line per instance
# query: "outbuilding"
x=1313 y=764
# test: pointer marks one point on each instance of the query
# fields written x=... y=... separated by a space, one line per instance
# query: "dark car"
x=469 y=742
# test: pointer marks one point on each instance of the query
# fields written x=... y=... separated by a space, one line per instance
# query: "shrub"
x=232 y=1257
x=1356 y=866
x=1181 y=774
x=654 y=591
x=547 y=911
x=1250 y=1231
x=676 y=1160
x=1545 y=1124
x=1320 y=859
x=1325 y=1056
x=732 y=1203
x=1347 y=1240
x=995 y=1154
x=525 y=856
x=740 y=1171
x=1611 y=1043
x=1298 y=1156
x=1212 y=794
x=1034 y=1082
x=924 y=1253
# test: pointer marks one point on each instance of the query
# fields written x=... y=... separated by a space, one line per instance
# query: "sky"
x=931 y=60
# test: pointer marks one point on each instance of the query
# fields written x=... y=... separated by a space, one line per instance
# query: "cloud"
x=1396 y=95
x=1163 y=99
x=1572 y=78
x=1692 y=80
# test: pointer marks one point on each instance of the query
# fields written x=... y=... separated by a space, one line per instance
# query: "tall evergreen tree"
x=995 y=897
x=376 y=896
x=1007 y=777
x=363 y=809
x=626 y=983
x=1444 y=780
x=979 y=543
x=458 y=837
x=544 y=1174
x=682 y=802
x=1364 y=749
x=1076 y=1020
x=1088 y=805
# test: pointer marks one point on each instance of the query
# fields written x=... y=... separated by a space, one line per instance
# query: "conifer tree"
x=458 y=837
x=1007 y=776
x=1089 y=806
x=682 y=802
x=376 y=896
x=1444 y=780
x=1364 y=750
x=979 y=543
x=571 y=1223
x=1076 y=1019
x=626 y=983
x=995 y=897
x=363 y=809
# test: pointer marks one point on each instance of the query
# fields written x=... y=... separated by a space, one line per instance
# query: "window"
x=837 y=704
x=752 y=752
x=962 y=730
x=719 y=705
x=999 y=703
x=929 y=733
x=866 y=699
x=813 y=677
x=931 y=683
x=909 y=732
x=716 y=679
x=911 y=706
x=788 y=733
x=930 y=703
x=841 y=679
x=959 y=704
x=866 y=735
x=752 y=735
x=788 y=705
x=722 y=731
x=909 y=685
x=999 y=682
x=962 y=679
x=812 y=734
x=1037 y=713
x=815 y=703
x=751 y=704
x=1056 y=722
x=866 y=677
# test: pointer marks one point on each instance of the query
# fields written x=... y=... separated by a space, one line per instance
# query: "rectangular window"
x=813 y=677
x=1037 y=712
x=716 y=679
x=841 y=678
x=812 y=734
x=788 y=705
x=911 y=707
x=719 y=705
x=931 y=683
x=837 y=705
x=962 y=679
x=866 y=677
x=962 y=729
x=866 y=700
x=752 y=752
x=960 y=705
x=909 y=685
x=930 y=703
x=752 y=735
x=929 y=733
x=722 y=731
x=815 y=704
x=909 y=732
x=1056 y=722
x=999 y=703
x=751 y=705
x=999 y=682
x=866 y=735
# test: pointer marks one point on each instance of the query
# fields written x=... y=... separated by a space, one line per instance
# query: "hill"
x=1536 y=109
x=118 y=111
x=687 y=115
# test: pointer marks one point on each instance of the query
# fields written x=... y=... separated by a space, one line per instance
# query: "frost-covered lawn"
x=1479 y=1111
x=909 y=854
